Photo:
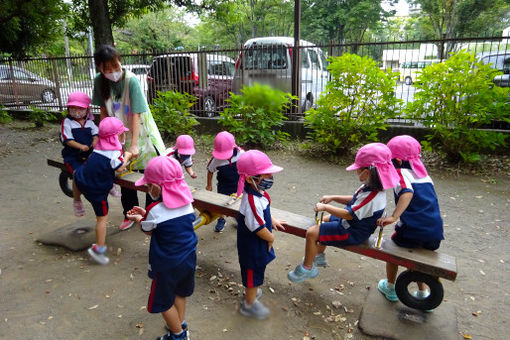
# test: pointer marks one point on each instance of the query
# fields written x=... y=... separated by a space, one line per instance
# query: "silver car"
x=499 y=61
x=24 y=86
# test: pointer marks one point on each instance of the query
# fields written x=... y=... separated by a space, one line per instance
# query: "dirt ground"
x=50 y=292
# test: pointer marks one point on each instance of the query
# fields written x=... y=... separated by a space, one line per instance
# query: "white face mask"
x=114 y=76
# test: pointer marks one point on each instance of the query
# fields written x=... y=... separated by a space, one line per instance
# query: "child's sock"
x=422 y=294
x=390 y=285
x=100 y=249
x=307 y=267
x=178 y=334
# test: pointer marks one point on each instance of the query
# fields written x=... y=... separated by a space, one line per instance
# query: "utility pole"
x=68 y=60
x=296 y=58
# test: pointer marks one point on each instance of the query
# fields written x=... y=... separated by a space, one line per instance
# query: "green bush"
x=5 y=117
x=171 y=113
x=456 y=98
x=39 y=116
x=358 y=102
x=256 y=115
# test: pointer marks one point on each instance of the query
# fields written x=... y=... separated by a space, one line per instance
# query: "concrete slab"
x=75 y=236
x=393 y=320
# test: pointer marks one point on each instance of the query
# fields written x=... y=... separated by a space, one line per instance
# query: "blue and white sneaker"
x=388 y=292
x=170 y=336
x=98 y=256
x=220 y=225
x=420 y=295
x=257 y=310
x=300 y=273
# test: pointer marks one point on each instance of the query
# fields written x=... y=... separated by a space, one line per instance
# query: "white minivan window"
x=314 y=59
x=266 y=57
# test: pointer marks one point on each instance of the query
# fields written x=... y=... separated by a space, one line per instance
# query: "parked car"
x=499 y=61
x=269 y=61
x=410 y=70
x=181 y=72
x=24 y=86
x=141 y=71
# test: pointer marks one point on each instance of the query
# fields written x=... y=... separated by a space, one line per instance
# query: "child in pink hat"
x=417 y=208
x=78 y=134
x=254 y=227
x=354 y=223
x=224 y=161
x=95 y=178
x=183 y=152
x=172 y=252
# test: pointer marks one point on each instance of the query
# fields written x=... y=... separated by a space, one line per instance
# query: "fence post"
x=441 y=47
x=13 y=80
x=57 y=83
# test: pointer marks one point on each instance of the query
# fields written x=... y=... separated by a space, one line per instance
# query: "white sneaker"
x=100 y=258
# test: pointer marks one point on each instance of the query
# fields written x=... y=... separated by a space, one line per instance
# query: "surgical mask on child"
x=114 y=76
x=265 y=183
x=77 y=112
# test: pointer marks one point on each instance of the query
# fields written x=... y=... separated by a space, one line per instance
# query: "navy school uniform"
x=366 y=207
x=172 y=254
x=254 y=214
x=227 y=172
x=420 y=224
x=184 y=160
x=71 y=129
x=95 y=178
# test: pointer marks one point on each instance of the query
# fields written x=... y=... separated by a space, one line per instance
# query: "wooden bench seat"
x=421 y=260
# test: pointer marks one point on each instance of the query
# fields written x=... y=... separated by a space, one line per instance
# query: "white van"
x=410 y=70
x=269 y=61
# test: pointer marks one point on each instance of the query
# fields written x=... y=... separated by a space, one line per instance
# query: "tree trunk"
x=100 y=17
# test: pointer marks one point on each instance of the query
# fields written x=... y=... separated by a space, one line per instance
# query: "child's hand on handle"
x=133 y=149
x=326 y=199
x=384 y=221
x=84 y=148
x=279 y=224
x=319 y=207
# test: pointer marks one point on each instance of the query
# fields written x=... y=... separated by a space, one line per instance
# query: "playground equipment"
x=422 y=265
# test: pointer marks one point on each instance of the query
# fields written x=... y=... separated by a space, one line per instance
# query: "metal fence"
x=211 y=75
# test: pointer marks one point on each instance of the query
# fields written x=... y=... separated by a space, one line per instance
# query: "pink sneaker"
x=126 y=224
x=114 y=191
x=78 y=208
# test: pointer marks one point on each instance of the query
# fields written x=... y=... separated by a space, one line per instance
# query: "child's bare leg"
x=172 y=320
x=76 y=192
x=251 y=295
x=391 y=272
x=422 y=286
x=312 y=247
x=101 y=230
x=180 y=305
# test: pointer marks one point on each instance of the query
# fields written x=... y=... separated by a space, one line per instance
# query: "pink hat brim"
x=189 y=151
x=223 y=155
x=271 y=170
x=77 y=103
x=353 y=166
x=141 y=182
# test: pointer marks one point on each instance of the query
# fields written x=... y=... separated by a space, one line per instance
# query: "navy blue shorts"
x=252 y=277
x=100 y=207
x=332 y=233
x=401 y=241
x=166 y=285
x=72 y=164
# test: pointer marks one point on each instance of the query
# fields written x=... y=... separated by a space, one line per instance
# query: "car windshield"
x=266 y=57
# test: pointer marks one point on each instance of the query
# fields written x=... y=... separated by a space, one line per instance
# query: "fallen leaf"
x=225 y=330
x=482 y=272
x=139 y=325
x=212 y=278
x=271 y=290
x=467 y=336
x=93 y=307
x=140 y=331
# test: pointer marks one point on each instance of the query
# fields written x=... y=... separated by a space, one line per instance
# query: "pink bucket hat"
x=109 y=130
x=167 y=173
x=185 y=145
x=253 y=163
x=377 y=155
x=407 y=148
x=224 y=143
x=78 y=99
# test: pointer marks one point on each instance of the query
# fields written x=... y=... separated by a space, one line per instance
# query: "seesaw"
x=422 y=265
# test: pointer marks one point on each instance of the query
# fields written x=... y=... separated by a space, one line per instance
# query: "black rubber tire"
x=432 y=301
x=65 y=182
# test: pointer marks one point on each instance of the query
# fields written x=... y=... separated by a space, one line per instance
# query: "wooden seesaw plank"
x=421 y=260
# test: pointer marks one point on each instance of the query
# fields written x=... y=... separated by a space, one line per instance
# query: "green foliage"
x=256 y=115
x=39 y=116
x=456 y=98
x=171 y=113
x=29 y=24
x=5 y=117
x=359 y=100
